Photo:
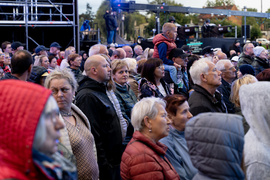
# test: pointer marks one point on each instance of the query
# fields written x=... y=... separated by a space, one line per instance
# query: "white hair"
x=145 y=107
x=132 y=64
x=95 y=49
x=221 y=64
x=199 y=67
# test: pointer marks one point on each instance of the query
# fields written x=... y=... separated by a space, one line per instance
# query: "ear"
x=93 y=70
x=203 y=77
x=30 y=69
x=148 y=122
x=173 y=59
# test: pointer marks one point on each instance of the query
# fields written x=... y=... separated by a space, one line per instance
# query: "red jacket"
x=144 y=159
x=21 y=106
x=159 y=38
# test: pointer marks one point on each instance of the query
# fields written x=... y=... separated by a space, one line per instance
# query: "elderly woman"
x=261 y=59
x=64 y=63
x=29 y=134
x=74 y=61
x=144 y=157
x=177 y=153
x=234 y=97
x=255 y=102
x=76 y=137
x=42 y=60
x=126 y=97
x=152 y=83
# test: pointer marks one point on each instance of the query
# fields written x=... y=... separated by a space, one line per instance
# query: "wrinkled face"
x=249 y=49
x=229 y=72
x=103 y=71
x=53 y=63
x=160 y=124
x=264 y=54
x=77 y=62
x=53 y=124
x=45 y=62
x=182 y=116
x=213 y=78
x=7 y=59
x=172 y=34
x=139 y=50
x=62 y=92
x=121 y=75
x=159 y=71
x=181 y=61
x=129 y=52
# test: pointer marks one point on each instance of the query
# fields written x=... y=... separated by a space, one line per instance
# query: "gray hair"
x=145 y=107
x=132 y=65
x=199 y=67
x=221 y=64
x=41 y=132
x=62 y=74
x=96 y=49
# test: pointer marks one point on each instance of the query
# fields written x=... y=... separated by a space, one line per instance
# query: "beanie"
x=258 y=50
x=247 y=69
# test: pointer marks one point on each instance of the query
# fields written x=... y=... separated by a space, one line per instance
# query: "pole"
x=235 y=31
x=26 y=23
x=245 y=28
x=158 y=23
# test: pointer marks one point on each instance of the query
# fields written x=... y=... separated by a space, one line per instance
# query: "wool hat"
x=41 y=48
x=247 y=69
x=258 y=50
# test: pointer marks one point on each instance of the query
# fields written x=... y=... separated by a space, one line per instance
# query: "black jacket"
x=225 y=90
x=95 y=104
x=8 y=76
x=202 y=101
x=110 y=21
x=260 y=64
x=244 y=59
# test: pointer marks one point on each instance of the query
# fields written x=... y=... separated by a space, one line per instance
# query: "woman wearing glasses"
x=152 y=83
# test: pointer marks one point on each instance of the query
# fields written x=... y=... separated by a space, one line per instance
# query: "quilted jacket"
x=144 y=159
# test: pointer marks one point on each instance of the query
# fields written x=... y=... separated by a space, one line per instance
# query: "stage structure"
x=40 y=22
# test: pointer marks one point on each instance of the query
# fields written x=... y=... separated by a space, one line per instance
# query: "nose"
x=109 y=68
x=59 y=124
x=60 y=93
x=168 y=121
x=189 y=115
x=219 y=72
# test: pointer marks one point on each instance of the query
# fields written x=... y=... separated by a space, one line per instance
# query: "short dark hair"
x=20 y=62
x=149 y=69
x=4 y=45
x=173 y=101
x=264 y=75
x=51 y=57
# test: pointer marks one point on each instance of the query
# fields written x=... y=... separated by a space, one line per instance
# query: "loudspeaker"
x=247 y=31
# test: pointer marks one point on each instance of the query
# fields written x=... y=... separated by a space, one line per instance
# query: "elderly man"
x=119 y=53
x=205 y=97
x=138 y=50
x=93 y=100
x=21 y=66
x=246 y=57
x=228 y=75
x=129 y=51
x=98 y=49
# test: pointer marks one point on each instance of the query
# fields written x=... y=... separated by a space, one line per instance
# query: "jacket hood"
x=89 y=83
x=215 y=143
x=21 y=105
x=255 y=103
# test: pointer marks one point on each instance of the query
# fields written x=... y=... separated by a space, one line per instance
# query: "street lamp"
x=245 y=29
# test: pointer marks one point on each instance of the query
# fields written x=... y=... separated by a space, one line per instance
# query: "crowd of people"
x=128 y=113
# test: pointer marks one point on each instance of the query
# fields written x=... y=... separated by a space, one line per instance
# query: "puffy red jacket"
x=21 y=106
x=144 y=159
x=159 y=38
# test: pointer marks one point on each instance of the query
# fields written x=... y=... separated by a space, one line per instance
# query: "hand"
x=177 y=65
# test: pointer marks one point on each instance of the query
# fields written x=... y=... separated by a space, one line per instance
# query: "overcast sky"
x=187 y=3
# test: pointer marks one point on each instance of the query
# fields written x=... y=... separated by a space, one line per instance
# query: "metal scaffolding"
x=40 y=13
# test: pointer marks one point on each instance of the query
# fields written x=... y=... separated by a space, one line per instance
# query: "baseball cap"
x=185 y=48
x=16 y=44
x=235 y=58
x=178 y=52
x=55 y=44
x=207 y=50
x=41 y=48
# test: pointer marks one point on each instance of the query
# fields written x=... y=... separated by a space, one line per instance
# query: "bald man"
x=129 y=51
x=92 y=99
x=119 y=53
x=98 y=49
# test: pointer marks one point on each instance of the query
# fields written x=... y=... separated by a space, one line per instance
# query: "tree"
x=89 y=15
x=255 y=32
x=215 y=3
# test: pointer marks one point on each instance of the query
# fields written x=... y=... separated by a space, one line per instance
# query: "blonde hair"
x=246 y=79
x=38 y=60
x=68 y=51
x=118 y=64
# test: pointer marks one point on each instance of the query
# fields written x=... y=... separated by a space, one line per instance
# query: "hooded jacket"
x=244 y=59
x=21 y=108
x=215 y=142
x=255 y=103
x=105 y=126
x=260 y=64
